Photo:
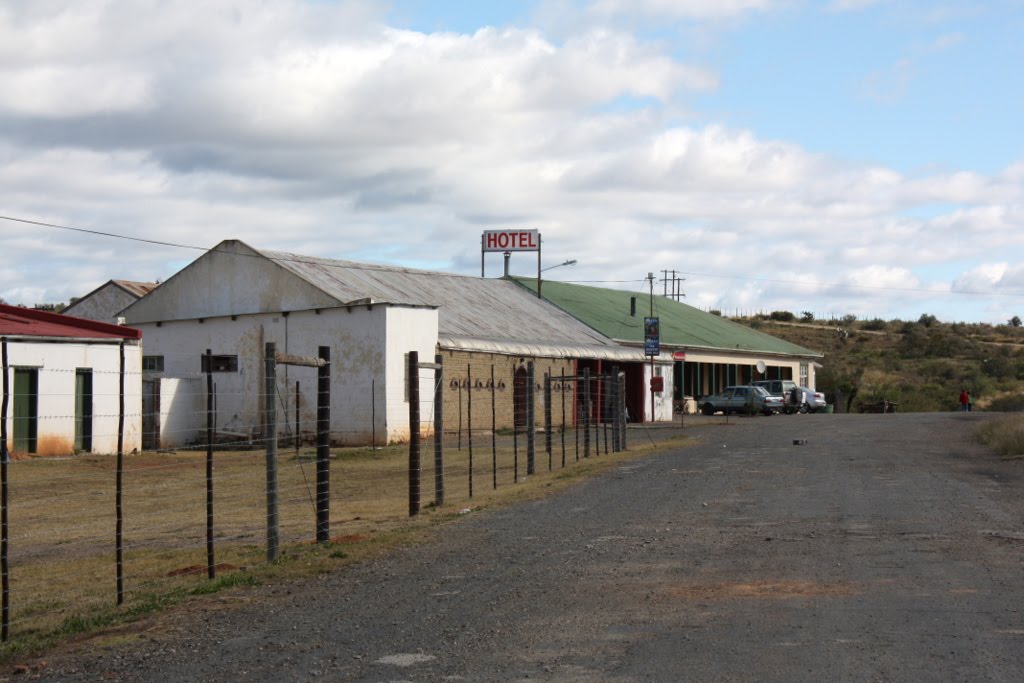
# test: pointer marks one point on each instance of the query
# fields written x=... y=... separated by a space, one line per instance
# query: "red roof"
x=28 y=322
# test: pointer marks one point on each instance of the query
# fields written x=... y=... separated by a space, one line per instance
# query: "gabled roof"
x=488 y=315
x=468 y=306
x=681 y=326
x=28 y=322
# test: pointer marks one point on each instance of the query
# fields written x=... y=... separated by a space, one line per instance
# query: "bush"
x=782 y=316
x=875 y=324
x=807 y=317
x=1004 y=435
x=1013 y=403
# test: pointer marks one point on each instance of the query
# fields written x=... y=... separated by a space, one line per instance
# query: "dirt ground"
x=788 y=548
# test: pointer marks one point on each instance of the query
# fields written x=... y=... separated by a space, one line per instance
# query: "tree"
x=1015 y=321
x=807 y=317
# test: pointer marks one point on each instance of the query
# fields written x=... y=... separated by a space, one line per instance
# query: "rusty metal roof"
x=136 y=289
x=28 y=322
x=468 y=306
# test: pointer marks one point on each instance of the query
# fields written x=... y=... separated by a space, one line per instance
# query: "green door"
x=83 y=410
x=26 y=409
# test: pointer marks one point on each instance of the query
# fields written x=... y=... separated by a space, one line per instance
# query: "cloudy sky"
x=841 y=157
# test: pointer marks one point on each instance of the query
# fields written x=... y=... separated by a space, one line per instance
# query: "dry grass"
x=62 y=522
x=1005 y=435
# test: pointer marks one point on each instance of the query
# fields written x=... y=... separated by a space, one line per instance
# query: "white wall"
x=663 y=410
x=182 y=411
x=409 y=329
x=56 y=363
x=364 y=390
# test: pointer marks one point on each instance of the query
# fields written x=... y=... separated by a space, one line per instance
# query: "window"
x=221 y=364
x=153 y=363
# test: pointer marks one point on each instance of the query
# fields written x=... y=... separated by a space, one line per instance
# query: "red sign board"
x=679 y=355
x=511 y=240
x=657 y=384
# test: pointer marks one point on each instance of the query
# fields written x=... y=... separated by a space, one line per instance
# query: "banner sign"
x=652 y=337
x=511 y=240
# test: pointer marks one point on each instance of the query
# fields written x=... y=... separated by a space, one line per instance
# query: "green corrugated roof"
x=608 y=312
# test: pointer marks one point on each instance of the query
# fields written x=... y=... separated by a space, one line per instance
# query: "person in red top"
x=965 y=401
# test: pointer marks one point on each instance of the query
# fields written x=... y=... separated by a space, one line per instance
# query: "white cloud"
x=314 y=127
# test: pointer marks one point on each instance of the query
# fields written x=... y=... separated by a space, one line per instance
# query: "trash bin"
x=829 y=409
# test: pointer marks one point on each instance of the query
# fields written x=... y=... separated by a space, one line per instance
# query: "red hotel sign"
x=511 y=240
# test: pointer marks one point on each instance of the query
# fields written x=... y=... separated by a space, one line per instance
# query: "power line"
x=102 y=234
x=357 y=266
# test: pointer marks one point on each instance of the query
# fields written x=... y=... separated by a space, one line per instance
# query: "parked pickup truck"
x=741 y=399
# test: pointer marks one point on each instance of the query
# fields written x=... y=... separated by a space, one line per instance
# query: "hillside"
x=921 y=365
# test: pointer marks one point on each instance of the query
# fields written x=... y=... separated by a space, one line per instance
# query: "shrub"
x=1005 y=435
x=782 y=316
x=1012 y=403
x=875 y=324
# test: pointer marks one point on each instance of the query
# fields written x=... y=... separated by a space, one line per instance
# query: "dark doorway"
x=519 y=396
x=26 y=409
x=83 y=410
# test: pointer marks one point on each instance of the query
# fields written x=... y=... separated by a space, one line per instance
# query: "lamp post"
x=570 y=262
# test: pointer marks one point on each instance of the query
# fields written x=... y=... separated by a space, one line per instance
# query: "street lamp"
x=570 y=262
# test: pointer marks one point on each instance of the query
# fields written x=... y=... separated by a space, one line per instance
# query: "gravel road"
x=885 y=548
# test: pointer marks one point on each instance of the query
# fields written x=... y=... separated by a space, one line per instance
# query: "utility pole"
x=650 y=277
x=676 y=290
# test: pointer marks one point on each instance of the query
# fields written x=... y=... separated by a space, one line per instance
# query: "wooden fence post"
x=323 y=446
x=413 y=372
x=211 y=566
x=270 y=419
x=439 y=430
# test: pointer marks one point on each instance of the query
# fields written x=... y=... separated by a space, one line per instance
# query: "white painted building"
x=106 y=302
x=63 y=378
x=234 y=299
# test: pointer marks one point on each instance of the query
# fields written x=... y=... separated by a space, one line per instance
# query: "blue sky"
x=847 y=156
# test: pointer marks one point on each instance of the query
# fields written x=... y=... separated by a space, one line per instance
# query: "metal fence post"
x=413 y=373
x=323 y=445
x=586 y=412
x=613 y=407
x=494 y=432
x=621 y=381
x=531 y=410
x=469 y=424
x=439 y=430
x=270 y=419
x=561 y=391
x=547 y=417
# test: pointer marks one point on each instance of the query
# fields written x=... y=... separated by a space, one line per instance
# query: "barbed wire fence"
x=485 y=413
x=91 y=532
